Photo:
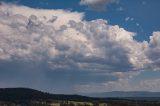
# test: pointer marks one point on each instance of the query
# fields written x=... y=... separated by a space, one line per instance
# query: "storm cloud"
x=63 y=42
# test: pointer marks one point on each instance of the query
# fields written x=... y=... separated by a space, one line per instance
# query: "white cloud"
x=93 y=45
x=129 y=19
x=153 y=51
x=62 y=17
x=151 y=54
x=88 y=45
x=65 y=41
x=97 y=4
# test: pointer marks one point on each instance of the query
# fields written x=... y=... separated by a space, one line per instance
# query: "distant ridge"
x=31 y=97
x=13 y=94
x=125 y=94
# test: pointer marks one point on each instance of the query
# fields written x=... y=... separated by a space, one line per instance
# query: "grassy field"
x=57 y=103
x=117 y=102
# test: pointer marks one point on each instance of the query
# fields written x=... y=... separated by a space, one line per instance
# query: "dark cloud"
x=97 y=5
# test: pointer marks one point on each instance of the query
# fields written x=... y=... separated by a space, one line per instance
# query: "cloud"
x=152 y=85
x=60 y=41
x=97 y=4
x=153 y=51
x=129 y=19
x=73 y=43
x=120 y=84
x=124 y=80
x=64 y=40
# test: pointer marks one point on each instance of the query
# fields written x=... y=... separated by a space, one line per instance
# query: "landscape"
x=31 y=97
x=79 y=53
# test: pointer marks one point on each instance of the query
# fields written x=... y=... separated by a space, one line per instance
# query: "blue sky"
x=27 y=58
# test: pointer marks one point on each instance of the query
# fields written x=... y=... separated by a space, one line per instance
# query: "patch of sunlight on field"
x=55 y=104
x=81 y=103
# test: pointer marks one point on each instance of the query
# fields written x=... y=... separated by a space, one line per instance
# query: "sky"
x=80 y=46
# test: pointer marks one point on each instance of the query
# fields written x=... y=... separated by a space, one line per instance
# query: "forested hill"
x=11 y=94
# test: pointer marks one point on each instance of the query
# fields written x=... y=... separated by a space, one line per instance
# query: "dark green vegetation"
x=30 y=97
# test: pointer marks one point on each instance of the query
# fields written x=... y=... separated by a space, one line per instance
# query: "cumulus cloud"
x=153 y=51
x=97 y=4
x=68 y=42
x=64 y=41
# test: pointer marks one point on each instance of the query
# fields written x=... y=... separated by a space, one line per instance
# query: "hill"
x=121 y=94
x=31 y=97
x=31 y=94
